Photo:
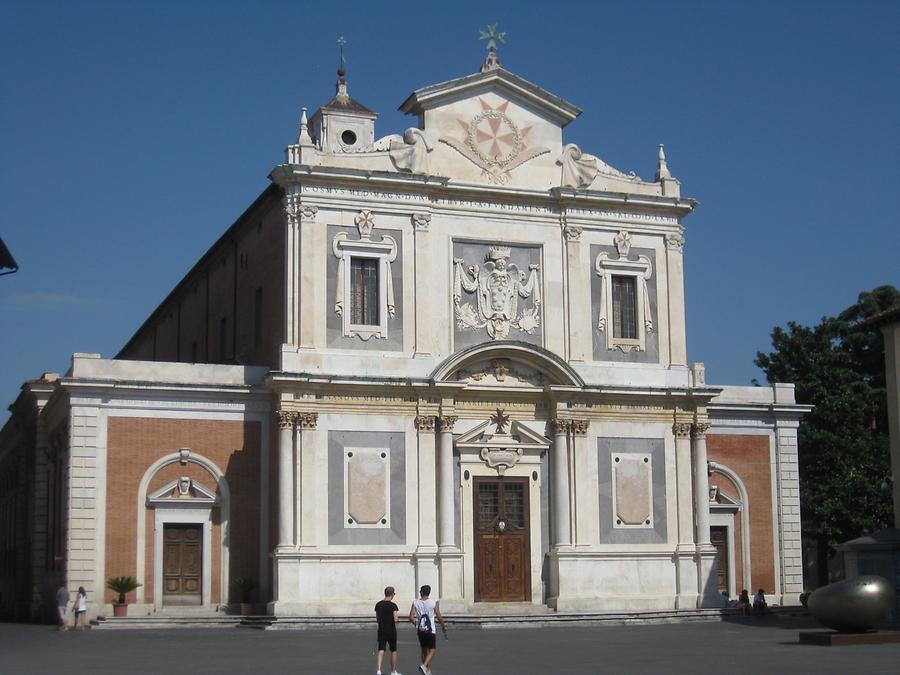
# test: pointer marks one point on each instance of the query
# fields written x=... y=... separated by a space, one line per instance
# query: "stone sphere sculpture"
x=853 y=606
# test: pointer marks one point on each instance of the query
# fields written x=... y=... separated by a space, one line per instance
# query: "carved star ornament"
x=500 y=419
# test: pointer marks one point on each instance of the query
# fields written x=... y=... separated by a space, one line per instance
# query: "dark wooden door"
x=182 y=564
x=718 y=535
x=501 y=540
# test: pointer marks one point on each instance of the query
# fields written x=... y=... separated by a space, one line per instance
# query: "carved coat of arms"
x=498 y=286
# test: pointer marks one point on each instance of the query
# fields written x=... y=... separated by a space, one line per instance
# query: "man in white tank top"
x=422 y=615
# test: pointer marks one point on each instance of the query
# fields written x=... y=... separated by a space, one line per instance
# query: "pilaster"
x=578 y=296
x=310 y=455
x=286 y=528
x=425 y=319
x=789 y=511
x=685 y=562
x=675 y=276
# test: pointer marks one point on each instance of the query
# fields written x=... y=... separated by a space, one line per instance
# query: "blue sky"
x=132 y=134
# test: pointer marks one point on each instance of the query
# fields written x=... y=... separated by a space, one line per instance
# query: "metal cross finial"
x=341 y=43
x=493 y=37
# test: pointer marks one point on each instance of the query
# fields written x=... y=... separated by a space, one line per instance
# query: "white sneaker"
x=423 y=670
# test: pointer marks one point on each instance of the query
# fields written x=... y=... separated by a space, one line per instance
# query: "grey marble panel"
x=338 y=532
x=601 y=353
x=655 y=447
x=334 y=327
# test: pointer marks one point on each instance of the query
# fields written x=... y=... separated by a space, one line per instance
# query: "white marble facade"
x=497 y=248
x=482 y=384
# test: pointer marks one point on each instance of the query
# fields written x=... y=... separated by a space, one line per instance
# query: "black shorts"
x=427 y=640
x=386 y=639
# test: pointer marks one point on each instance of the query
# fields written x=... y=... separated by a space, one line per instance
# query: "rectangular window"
x=364 y=304
x=624 y=314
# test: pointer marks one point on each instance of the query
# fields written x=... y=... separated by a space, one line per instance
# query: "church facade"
x=455 y=356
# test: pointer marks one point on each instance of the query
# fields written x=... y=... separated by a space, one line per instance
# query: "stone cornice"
x=435 y=188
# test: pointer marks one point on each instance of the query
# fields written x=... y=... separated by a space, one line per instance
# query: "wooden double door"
x=502 y=548
x=182 y=564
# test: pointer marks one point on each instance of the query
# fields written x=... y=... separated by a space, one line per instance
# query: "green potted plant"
x=121 y=585
x=243 y=586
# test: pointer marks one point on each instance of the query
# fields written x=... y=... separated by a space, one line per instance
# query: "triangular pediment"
x=183 y=490
x=500 y=82
x=519 y=435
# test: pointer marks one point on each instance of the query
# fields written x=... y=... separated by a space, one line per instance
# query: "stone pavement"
x=768 y=646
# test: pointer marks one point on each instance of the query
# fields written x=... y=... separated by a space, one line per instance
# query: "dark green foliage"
x=838 y=366
x=121 y=585
x=243 y=586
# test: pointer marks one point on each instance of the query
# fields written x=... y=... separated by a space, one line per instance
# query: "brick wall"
x=749 y=457
x=135 y=443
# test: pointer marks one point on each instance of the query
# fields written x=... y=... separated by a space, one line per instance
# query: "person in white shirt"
x=81 y=609
x=422 y=614
x=62 y=605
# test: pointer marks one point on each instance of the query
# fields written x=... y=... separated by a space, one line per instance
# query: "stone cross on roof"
x=492 y=62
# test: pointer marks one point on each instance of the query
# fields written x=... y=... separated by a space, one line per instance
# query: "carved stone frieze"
x=307 y=420
x=446 y=422
x=675 y=242
x=285 y=418
x=682 y=429
x=501 y=371
x=699 y=429
x=421 y=221
x=425 y=422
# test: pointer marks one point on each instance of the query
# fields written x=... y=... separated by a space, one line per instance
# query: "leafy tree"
x=844 y=458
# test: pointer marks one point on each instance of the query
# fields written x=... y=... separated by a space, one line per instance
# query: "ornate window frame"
x=642 y=271
x=385 y=252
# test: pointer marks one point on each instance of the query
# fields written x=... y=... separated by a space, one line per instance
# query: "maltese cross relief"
x=493 y=142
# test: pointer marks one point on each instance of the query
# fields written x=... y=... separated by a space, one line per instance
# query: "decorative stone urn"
x=853 y=606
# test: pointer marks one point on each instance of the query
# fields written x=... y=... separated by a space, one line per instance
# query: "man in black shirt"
x=387 y=614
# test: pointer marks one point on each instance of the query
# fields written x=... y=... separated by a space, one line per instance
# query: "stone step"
x=485 y=622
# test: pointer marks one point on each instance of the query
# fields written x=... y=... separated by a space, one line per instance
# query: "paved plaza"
x=737 y=646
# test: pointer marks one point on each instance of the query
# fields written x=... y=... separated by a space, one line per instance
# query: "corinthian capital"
x=446 y=422
x=285 y=418
x=572 y=233
x=675 y=242
x=425 y=422
x=682 y=429
x=699 y=430
x=580 y=427
x=307 y=420
x=421 y=221
x=559 y=426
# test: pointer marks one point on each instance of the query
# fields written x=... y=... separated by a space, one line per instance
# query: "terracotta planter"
x=246 y=609
x=120 y=609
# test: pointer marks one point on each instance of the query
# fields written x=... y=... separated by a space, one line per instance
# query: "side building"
x=455 y=356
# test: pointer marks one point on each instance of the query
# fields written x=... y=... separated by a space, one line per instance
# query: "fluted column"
x=559 y=465
x=286 y=421
x=684 y=482
x=701 y=482
x=446 y=511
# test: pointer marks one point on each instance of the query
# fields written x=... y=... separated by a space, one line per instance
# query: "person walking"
x=62 y=605
x=388 y=614
x=81 y=609
x=422 y=614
